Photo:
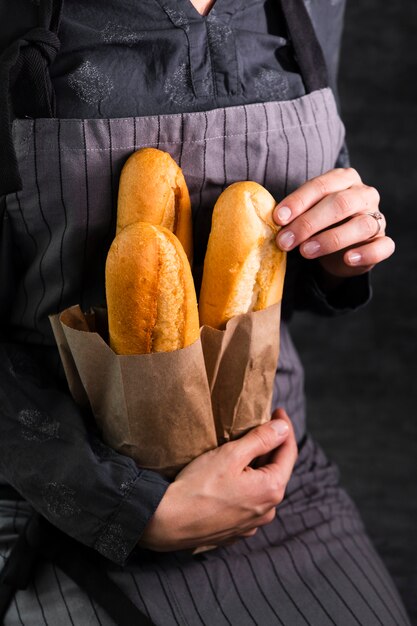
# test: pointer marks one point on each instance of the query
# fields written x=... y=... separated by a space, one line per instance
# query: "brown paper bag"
x=241 y=362
x=164 y=409
x=155 y=408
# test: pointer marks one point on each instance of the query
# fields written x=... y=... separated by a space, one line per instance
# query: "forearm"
x=62 y=468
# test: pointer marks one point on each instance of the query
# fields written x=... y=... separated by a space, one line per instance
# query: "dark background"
x=365 y=415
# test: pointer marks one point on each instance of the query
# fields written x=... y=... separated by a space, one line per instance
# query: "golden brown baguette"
x=152 y=189
x=151 y=300
x=243 y=267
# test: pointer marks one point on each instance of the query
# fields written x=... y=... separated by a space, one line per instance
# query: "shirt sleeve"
x=51 y=453
x=352 y=294
x=304 y=290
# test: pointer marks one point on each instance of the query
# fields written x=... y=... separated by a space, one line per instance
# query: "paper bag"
x=164 y=409
x=155 y=408
x=241 y=362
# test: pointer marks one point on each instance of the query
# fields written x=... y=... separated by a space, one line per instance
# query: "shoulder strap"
x=25 y=84
x=307 y=48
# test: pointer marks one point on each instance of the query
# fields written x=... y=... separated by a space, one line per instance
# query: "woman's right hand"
x=219 y=497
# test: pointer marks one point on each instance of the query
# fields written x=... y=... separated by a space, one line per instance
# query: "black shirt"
x=150 y=57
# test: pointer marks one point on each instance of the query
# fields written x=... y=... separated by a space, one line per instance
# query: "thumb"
x=261 y=440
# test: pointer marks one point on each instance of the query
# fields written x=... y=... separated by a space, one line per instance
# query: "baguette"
x=151 y=300
x=243 y=268
x=152 y=189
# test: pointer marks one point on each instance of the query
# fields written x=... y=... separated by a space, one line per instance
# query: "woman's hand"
x=329 y=218
x=219 y=497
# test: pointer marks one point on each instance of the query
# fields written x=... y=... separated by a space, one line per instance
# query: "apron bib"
x=63 y=221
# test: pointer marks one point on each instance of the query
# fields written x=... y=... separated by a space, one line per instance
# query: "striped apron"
x=314 y=564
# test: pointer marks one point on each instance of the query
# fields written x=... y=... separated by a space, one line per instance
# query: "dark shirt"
x=120 y=59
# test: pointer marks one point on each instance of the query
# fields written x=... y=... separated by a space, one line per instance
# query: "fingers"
x=335 y=218
x=265 y=519
x=251 y=532
x=262 y=520
x=281 y=464
x=313 y=191
x=358 y=201
x=264 y=459
x=371 y=253
x=359 y=228
x=259 y=441
x=359 y=259
x=272 y=478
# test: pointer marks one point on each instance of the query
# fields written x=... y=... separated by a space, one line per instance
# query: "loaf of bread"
x=151 y=300
x=152 y=189
x=243 y=268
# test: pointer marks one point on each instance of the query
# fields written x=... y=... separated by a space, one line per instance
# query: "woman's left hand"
x=335 y=218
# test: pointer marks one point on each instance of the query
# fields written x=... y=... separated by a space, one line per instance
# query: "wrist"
x=162 y=529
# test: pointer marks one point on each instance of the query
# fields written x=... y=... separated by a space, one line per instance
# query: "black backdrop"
x=362 y=369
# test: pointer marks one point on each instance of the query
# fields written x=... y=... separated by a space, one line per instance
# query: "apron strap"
x=28 y=58
x=306 y=46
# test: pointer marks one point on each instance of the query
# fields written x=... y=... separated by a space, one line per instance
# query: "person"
x=234 y=91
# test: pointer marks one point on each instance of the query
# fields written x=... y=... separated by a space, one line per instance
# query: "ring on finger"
x=378 y=217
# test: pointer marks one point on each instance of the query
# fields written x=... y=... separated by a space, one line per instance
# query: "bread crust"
x=152 y=189
x=243 y=267
x=151 y=300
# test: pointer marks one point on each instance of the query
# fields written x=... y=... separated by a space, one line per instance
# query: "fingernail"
x=311 y=248
x=286 y=240
x=354 y=258
x=280 y=426
x=283 y=213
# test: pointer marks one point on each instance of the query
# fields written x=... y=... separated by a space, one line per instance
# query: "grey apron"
x=314 y=563
x=63 y=219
